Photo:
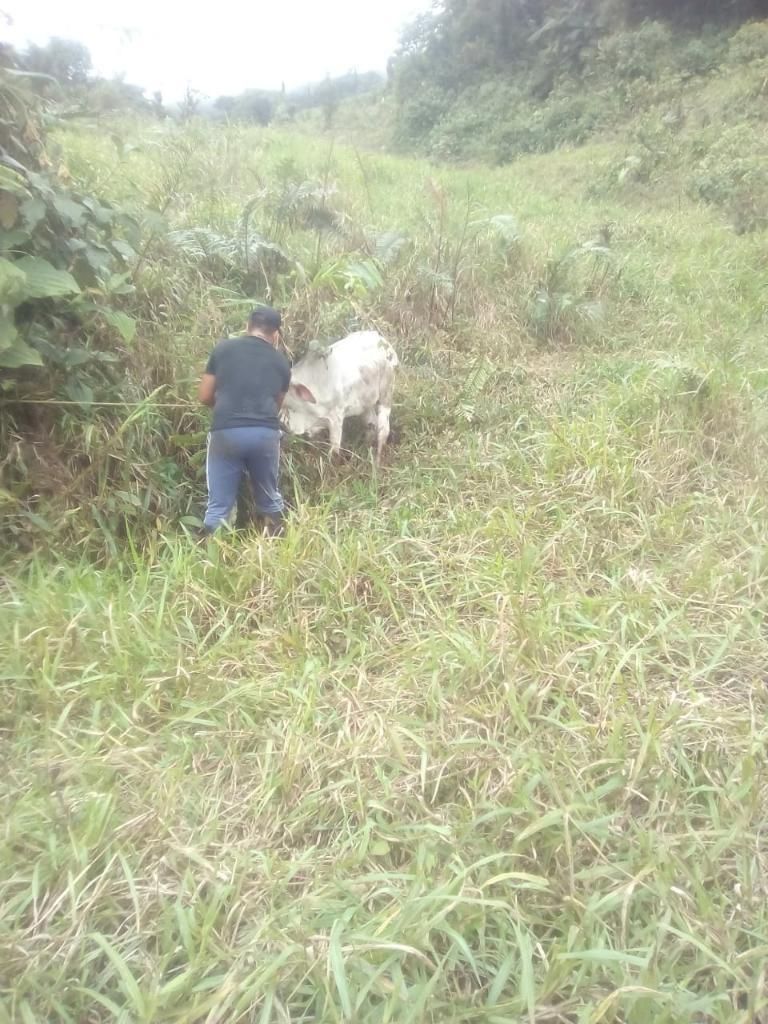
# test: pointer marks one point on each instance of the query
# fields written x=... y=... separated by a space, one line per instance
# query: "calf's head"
x=300 y=412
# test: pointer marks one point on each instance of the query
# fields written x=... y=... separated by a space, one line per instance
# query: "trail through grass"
x=481 y=740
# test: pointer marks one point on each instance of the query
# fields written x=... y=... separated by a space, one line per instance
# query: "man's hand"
x=207 y=390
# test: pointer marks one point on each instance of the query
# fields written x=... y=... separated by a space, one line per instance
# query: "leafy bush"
x=703 y=54
x=638 y=54
x=418 y=115
x=734 y=176
x=63 y=254
x=749 y=44
x=471 y=128
x=569 y=301
x=565 y=119
x=497 y=121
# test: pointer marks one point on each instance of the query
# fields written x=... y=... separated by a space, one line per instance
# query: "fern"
x=502 y=225
x=202 y=245
x=440 y=280
x=478 y=379
x=388 y=246
x=302 y=205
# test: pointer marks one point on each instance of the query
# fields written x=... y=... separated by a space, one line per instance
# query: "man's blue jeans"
x=231 y=452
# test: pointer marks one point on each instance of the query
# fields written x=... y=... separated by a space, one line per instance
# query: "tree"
x=225 y=105
x=256 y=105
x=106 y=94
x=190 y=104
x=696 y=13
x=67 y=61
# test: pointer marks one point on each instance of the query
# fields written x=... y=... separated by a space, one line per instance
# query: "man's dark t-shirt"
x=250 y=374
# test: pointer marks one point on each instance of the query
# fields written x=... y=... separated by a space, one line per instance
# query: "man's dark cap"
x=267 y=317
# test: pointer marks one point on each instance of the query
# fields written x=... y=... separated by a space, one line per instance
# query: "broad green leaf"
x=8 y=332
x=77 y=391
x=41 y=184
x=33 y=211
x=50 y=353
x=77 y=356
x=19 y=354
x=101 y=214
x=70 y=211
x=13 y=283
x=125 y=251
x=98 y=260
x=45 y=281
x=9 y=211
x=191 y=521
x=10 y=240
x=119 y=284
x=125 y=325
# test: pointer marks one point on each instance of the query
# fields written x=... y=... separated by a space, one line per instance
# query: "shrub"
x=617 y=175
x=749 y=44
x=418 y=115
x=704 y=54
x=637 y=54
x=562 y=121
x=471 y=128
x=734 y=176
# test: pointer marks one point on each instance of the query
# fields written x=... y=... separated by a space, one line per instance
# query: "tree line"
x=524 y=73
x=62 y=70
x=461 y=39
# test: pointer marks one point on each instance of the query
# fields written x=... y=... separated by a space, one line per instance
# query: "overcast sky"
x=220 y=46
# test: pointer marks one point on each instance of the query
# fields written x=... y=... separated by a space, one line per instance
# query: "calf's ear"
x=302 y=391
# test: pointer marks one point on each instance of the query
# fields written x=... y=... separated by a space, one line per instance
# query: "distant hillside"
x=486 y=82
x=489 y=81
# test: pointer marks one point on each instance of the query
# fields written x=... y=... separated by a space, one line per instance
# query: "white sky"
x=219 y=47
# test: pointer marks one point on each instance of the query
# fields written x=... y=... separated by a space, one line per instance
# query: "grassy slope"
x=481 y=740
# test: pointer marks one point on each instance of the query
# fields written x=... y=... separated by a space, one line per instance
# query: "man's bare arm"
x=207 y=390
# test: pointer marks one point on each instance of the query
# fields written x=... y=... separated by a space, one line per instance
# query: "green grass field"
x=483 y=738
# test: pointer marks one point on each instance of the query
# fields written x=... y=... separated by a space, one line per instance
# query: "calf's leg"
x=335 y=428
x=382 y=429
x=371 y=423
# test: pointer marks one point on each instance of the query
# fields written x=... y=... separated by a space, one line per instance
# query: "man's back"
x=250 y=375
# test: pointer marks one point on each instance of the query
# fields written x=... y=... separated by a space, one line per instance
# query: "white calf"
x=353 y=377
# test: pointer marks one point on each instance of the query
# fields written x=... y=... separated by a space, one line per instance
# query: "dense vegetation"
x=491 y=81
x=481 y=739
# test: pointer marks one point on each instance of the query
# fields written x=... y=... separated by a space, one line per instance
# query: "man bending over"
x=245 y=382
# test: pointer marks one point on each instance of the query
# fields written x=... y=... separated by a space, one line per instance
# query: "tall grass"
x=482 y=738
x=454 y=265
